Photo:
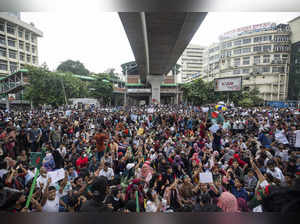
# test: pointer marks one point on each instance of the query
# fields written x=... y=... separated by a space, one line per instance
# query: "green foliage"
x=47 y=87
x=246 y=102
x=102 y=88
x=75 y=67
x=199 y=92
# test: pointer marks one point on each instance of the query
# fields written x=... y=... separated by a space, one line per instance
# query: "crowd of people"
x=157 y=158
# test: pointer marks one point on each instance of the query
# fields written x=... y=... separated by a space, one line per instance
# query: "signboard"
x=248 y=30
x=228 y=84
x=139 y=90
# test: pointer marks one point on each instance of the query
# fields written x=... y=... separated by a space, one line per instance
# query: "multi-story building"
x=259 y=53
x=18 y=43
x=192 y=60
x=294 y=75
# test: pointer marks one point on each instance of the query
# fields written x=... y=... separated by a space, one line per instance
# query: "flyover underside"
x=166 y=37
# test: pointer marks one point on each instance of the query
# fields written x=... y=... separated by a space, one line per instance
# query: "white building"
x=259 y=53
x=18 y=43
x=192 y=60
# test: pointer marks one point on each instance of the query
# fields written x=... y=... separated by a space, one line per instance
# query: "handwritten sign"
x=56 y=175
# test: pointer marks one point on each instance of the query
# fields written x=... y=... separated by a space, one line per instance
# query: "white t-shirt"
x=109 y=173
x=51 y=206
x=42 y=180
x=277 y=173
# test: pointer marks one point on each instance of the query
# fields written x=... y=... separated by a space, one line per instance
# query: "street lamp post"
x=125 y=94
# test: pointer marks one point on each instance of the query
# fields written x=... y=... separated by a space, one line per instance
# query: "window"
x=284 y=58
x=257 y=39
x=246 y=60
x=278 y=69
x=267 y=38
x=281 y=38
x=21 y=44
x=13 y=66
x=3 y=65
x=11 y=42
x=257 y=49
x=33 y=40
x=237 y=61
x=22 y=56
x=28 y=58
x=27 y=35
x=34 y=60
x=237 y=42
x=236 y=71
x=2 y=52
x=228 y=53
x=276 y=58
x=12 y=54
x=2 y=40
x=237 y=51
x=281 y=48
x=256 y=60
x=27 y=47
x=298 y=49
x=266 y=59
x=267 y=48
x=266 y=69
x=33 y=50
x=229 y=44
x=246 y=71
x=246 y=50
x=247 y=41
x=11 y=28
x=20 y=33
x=2 y=26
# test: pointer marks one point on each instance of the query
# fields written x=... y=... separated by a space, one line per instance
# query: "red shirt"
x=82 y=162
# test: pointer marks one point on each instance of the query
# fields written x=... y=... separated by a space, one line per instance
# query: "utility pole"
x=125 y=94
x=63 y=87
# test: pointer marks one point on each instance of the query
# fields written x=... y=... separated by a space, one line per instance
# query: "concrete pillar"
x=155 y=81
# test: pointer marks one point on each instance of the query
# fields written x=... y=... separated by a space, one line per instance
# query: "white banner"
x=228 y=84
x=139 y=90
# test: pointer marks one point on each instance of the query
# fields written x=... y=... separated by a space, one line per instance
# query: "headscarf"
x=228 y=202
x=195 y=158
x=146 y=170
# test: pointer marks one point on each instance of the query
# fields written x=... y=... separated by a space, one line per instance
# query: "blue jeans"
x=99 y=155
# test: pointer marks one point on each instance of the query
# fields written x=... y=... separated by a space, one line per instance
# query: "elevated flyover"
x=157 y=40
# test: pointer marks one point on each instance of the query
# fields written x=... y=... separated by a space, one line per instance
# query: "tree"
x=102 y=88
x=51 y=87
x=75 y=67
x=199 y=92
x=44 y=87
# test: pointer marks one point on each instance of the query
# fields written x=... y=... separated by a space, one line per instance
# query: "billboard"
x=248 y=30
x=228 y=84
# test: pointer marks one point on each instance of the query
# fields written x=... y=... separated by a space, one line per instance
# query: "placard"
x=56 y=175
x=205 y=177
x=297 y=143
x=205 y=109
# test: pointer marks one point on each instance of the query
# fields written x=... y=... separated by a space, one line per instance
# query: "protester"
x=156 y=158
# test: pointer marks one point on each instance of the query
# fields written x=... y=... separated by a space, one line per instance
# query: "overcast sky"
x=98 y=40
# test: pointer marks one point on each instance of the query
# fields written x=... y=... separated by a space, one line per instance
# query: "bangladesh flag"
x=216 y=117
x=36 y=159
